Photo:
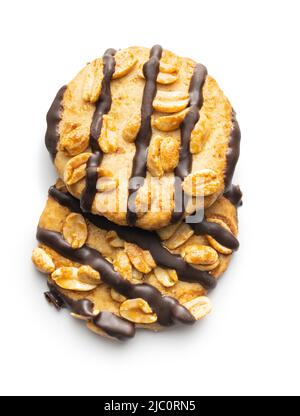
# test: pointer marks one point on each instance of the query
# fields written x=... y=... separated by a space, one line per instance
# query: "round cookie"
x=143 y=137
x=119 y=278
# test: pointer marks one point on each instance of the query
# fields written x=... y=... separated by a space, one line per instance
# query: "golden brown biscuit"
x=117 y=278
x=133 y=121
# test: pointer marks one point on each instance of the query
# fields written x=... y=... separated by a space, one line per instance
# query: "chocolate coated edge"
x=233 y=152
x=234 y=195
x=53 y=120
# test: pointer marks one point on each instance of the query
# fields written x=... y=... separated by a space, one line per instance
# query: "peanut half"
x=197 y=254
x=141 y=260
x=108 y=140
x=171 y=122
x=75 y=230
x=93 y=81
x=180 y=237
x=125 y=62
x=137 y=311
x=75 y=169
x=202 y=183
x=167 y=277
x=42 y=261
x=199 y=307
x=74 y=138
x=131 y=129
x=67 y=278
x=171 y=101
x=163 y=155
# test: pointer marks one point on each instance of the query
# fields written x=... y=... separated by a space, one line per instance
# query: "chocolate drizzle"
x=145 y=239
x=233 y=152
x=89 y=193
x=224 y=237
x=168 y=310
x=105 y=100
x=114 y=326
x=139 y=169
x=111 y=324
x=234 y=195
x=53 y=120
x=185 y=162
x=103 y=107
x=54 y=300
x=196 y=102
x=83 y=307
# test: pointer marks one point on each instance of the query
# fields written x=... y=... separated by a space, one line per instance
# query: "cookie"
x=120 y=278
x=143 y=137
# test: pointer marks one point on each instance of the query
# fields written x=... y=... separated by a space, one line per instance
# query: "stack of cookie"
x=143 y=218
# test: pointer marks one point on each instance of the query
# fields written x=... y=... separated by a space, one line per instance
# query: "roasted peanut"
x=137 y=311
x=75 y=230
x=42 y=261
x=87 y=274
x=67 y=278
x=74 y=138
x=163 y=155
x=202 y=183
x=75 y=169
x=140 y=259
x=108 y=140
x=180 y=237
x=93 y=81
x=171 y=101
x=125 y=62
x=131 y=129
x=203 y=255
x=171 y=122
x=199 y=307
x=166 y=277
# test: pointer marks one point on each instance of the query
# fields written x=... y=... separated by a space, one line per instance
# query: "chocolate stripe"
x=114 y=326
x=139 y=169
x=234 y=195
x=111 y=324
x=104 y=103
x=103 y=107
x=167 y=309
x=224 y=237
x=186 y=159
x=233 y=152
x=53 y=120
x=89 y=193
x=145 y=239
x=196 y=102
x=83 y=307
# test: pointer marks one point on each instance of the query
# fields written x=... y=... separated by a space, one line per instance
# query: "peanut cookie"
x=143 y=137
x=119 y=278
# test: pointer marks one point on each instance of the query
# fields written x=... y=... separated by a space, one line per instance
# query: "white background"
x=250 y=345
